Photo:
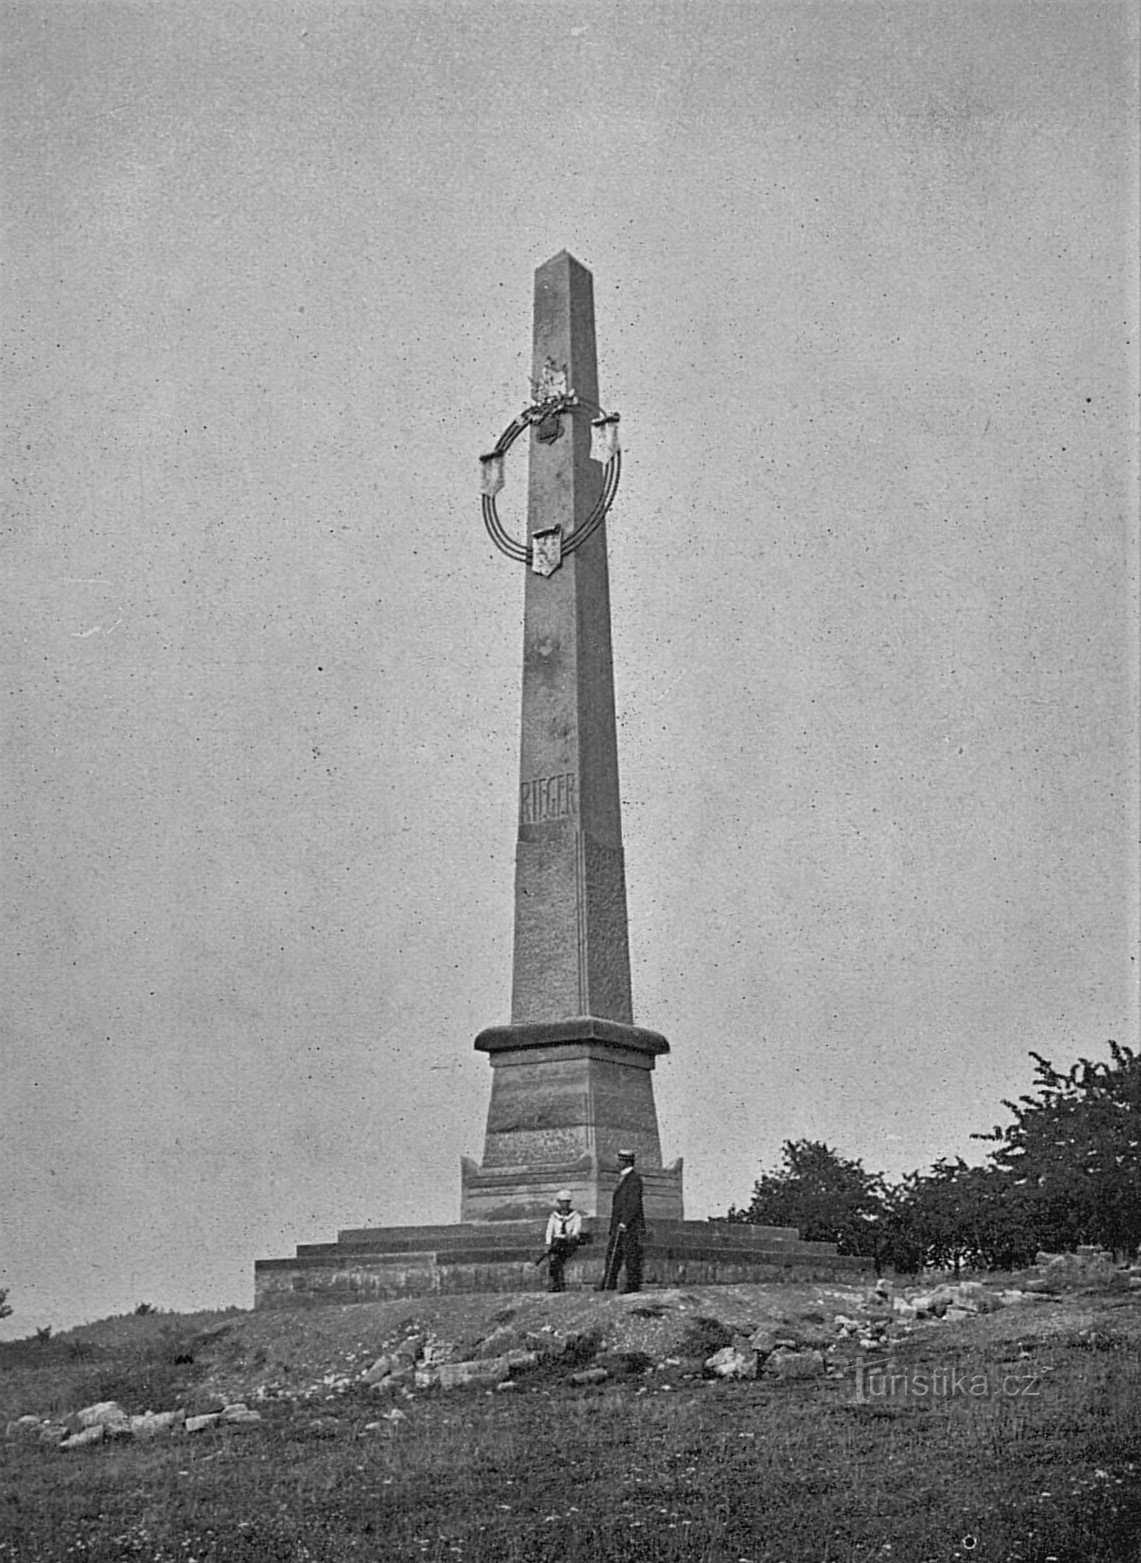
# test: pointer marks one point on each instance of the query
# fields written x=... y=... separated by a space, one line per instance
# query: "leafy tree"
x=957 y=1215
x=827 y=1197
x=1073 y=1153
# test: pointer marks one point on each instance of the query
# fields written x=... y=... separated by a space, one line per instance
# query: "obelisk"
x=571 y=1080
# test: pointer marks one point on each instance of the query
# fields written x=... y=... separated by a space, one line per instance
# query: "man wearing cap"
x=627 y=1224
x=563 y=1232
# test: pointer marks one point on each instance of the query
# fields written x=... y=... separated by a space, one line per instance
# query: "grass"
x=651 y=1467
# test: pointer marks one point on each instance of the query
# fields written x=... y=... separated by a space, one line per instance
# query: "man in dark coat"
x=627 y=1224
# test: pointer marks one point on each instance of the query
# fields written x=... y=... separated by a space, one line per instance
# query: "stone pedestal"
x=565 y=1097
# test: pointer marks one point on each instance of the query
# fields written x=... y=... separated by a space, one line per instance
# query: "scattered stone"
x=483 y=1373
x=395 y=1415
x=409 y=1350
x=795 y=1364
x=732 y=1363
x=84 y=1440
x=957 y=1315
x=590 y=1376
x=103 y=1411
x=547 y=1345
x=506 y=1384
x=520 y=1361
x=156 y=1424
x=199 y=1424
x=810 y=1335
x=499 y=1343
x=398 y=1380
x=53 y=1432
x=24 y=1427
x=437 y=1351
x=381 y=1369
x=238 y=1415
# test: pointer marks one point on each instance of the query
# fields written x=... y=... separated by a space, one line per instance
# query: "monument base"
x=382 y=1263
x=566 y=1096
x=501 y=1194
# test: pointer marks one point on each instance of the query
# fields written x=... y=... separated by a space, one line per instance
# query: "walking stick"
x=613 y=1258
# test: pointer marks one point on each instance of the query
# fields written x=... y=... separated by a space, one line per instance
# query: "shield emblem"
x=492 y=473
x=547 y=550
x=604 y=438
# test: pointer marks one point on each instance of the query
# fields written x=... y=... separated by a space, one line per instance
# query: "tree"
x=957 y=1215
x=5 y=1308
x=1073 y=1153
x=827 y=1197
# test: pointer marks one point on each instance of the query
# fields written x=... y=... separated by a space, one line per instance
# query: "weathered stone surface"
x=521 y=1361
x=465 y=1375
x=795 y=1364
x=393 y=1383
x=103 y=1411
x=85 y=1439
x=238 y=1415
x=156 y=1424
x=201 y=1424
x=381 y=1369
x=732 y=1363
x=499 y=1342
x=590 y=1376
x=53 y=1432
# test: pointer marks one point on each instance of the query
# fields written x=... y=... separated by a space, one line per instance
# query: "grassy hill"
x=1030 y=1451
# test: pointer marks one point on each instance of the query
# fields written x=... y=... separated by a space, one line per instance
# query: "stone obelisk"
x=571 y=1074
x=571 y=1080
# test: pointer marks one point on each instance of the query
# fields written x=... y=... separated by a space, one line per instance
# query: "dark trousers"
x=560 y=1251
x=627 y=1253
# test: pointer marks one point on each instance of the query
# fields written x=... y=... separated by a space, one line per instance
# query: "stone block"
x=156 y=1424
x=795 y=1364
x=732 y=1363
x=102 y=1411
x=483 y=1374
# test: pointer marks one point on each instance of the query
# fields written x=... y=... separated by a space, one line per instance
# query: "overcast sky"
x=865 y=280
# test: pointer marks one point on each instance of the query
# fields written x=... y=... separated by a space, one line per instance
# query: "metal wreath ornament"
x=543 y=416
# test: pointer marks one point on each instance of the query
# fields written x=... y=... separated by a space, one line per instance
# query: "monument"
x=571 y=1072
x=571 y=1079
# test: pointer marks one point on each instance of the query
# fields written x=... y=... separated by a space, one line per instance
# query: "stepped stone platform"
x=373 y=1264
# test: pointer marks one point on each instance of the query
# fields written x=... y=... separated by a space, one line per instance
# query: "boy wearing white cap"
x=563 y=1232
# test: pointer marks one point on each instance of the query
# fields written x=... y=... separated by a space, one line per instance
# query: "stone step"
x=492 y=1234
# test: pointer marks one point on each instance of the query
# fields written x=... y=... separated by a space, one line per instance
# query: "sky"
x=866 y=289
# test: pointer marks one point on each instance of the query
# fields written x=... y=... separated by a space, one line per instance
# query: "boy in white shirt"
x=564 y=1230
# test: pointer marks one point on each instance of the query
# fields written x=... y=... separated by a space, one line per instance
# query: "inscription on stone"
x=548 y=798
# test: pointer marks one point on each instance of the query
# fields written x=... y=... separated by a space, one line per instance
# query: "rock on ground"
x=795 y=1364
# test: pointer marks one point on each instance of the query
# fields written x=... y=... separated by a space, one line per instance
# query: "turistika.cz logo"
x=877 y=1381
